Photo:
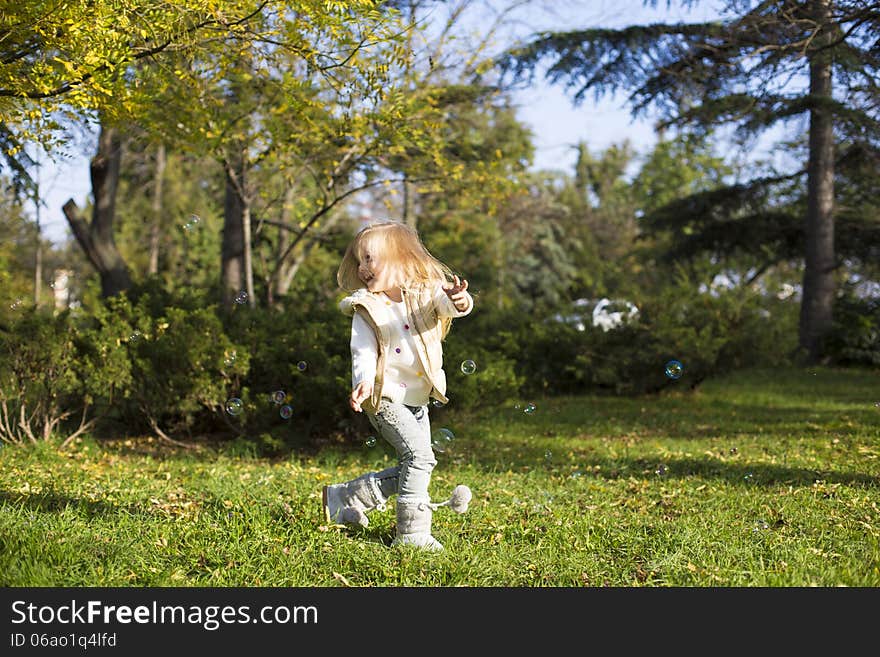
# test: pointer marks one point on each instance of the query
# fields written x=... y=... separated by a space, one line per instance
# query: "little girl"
x=402 y=304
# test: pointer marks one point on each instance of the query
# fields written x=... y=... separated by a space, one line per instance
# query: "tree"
x=294 y=107
x=96 y=237
x=114 y=61
x=763 y=63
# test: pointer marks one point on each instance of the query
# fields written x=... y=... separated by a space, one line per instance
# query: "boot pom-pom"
x=461 y=497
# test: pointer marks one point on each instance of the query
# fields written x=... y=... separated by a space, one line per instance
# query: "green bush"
x=855 y=338
x=153 y=361
x=51 y=379
x=709 y=333
x=183 y=367
x=303 y=352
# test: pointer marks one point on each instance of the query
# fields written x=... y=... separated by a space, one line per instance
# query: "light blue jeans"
x=408 y=429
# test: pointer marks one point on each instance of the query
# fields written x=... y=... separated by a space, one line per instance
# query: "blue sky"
x=556 y=124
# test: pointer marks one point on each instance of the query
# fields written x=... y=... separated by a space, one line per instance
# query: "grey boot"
x=349 y=503
x=414 y=526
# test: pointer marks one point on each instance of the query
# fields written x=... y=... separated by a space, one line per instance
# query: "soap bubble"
x=674 y=369
x=302 y=365
x=371 y=441
x=229 y=359
x=529 y=409
x=192 y=223
x=279 y=396
x=468 y=366
x=760 y=524
x=661 y=470
x=234 y=406
x=441 y=439
x=241 y=297
x=285 y=412
x=436 y=403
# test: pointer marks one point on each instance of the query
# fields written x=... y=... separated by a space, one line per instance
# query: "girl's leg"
x=408 y=430
x=387 y=480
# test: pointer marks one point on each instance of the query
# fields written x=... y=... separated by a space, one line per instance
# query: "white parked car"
x=607 y=314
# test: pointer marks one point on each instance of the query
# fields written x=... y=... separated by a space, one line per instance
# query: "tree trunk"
x=38 y=245
x=96 y=238
x=278 y=287
x=232 y=266
x=247 y=251
x=819 y=285
x=156 y=226
x=409 y=217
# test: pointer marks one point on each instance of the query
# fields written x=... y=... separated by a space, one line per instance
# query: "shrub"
x=183 y=367
x=302 y=351
x=48 y=381
x=855 y=338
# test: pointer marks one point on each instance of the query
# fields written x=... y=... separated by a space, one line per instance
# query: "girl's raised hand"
x=456 y=291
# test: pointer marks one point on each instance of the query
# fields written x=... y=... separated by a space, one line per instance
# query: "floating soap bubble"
x=674 y=369
x=749 y=477
x=15 y=304
x=468 y=366
x=733 y=450
x=192 y=222
x=436 y=403
x=371 y=441
x=302 y=365
x=241 y=297
x=134 y=337
x=529 y=409
x=441 y=439
x=229 y=359
x=279 y=396
x=548 y=455
x=285 y=412
x=234 y=406
x=661 y=470
x=760 y=525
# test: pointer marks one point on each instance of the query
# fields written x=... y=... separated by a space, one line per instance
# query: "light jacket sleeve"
x=445 y=307
x=364 y=351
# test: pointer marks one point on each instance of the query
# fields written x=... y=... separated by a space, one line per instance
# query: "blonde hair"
x=400 y=248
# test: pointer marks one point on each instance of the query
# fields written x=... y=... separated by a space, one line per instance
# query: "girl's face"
x=374 y=273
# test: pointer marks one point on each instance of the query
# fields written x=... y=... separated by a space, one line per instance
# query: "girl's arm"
x=364 y=356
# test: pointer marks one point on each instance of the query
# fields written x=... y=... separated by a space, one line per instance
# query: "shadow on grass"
x=53 y=502
x=679 y=418
x=743 y=474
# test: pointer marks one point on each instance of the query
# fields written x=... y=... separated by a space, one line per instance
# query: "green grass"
x=763 y=478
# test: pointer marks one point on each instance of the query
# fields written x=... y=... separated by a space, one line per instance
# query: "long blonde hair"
x=400 y=248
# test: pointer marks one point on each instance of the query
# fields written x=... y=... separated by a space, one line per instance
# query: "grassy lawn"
x=762 y=478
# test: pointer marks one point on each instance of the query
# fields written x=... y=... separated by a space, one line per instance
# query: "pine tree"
x=764 y=63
